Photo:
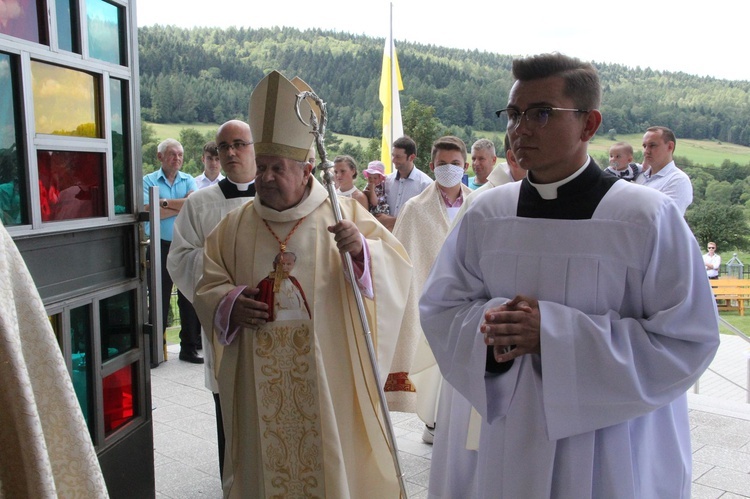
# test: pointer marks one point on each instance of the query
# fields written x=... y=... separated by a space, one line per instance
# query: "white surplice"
x=421 y=227
x=202 y=212
x=628 y=324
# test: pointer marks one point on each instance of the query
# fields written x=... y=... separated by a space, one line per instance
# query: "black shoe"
x=192 y=358
x=428 y=435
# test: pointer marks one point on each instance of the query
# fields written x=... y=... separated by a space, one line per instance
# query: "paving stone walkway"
x=186 y=461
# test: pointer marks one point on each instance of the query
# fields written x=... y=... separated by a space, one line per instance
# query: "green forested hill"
x=207 y=74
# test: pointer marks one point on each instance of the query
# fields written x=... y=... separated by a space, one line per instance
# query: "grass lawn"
x=173 y=334
x=351 y=139
x=741 y=323
x=167 y=130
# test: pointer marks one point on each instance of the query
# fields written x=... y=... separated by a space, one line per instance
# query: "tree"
x=148 y=147
x=332 y=141
x=724 y=224
x=149 y=163
x=206 y=74
x=372 y=152
x=421 y=125
x=731 y=171
x=148 y=133
x=355 y=151
x=719 y=192
x=192 y=144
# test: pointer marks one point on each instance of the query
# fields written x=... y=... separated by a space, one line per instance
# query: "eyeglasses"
x=536 y=116
x=237 y=145
x=712 y=247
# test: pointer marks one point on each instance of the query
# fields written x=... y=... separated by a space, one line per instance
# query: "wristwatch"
x=164 y=203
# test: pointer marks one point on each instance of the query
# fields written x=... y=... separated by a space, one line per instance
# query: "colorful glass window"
x=80 y=347
x=13 y=192
x=119 y=400
x=105 y=31
x=120 y=150
x=71 y=185
x=66 y=101
x=67 y=25
x=24 y=19
x=117 y=324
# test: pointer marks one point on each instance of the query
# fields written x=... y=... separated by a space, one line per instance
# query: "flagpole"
x=390 y=85
x=393 y=75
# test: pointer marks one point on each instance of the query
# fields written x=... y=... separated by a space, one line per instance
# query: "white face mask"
x=449 y=175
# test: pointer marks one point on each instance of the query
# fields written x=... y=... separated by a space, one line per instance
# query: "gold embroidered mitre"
x=273 y=119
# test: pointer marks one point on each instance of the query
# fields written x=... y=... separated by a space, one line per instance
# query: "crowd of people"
x=544 y=317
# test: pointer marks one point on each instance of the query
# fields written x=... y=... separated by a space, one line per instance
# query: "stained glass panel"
x=105 y=30
x=71 y=185
x=21 y=18
x=67 y=25
x=66 y=101
x=120 y=138
x=119 y=401
x=13 y=205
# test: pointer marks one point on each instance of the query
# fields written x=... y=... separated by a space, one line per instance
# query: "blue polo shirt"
x=183 y=183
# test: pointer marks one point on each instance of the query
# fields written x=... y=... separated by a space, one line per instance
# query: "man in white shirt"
x=211 y=166
x=712 y=261
x=405 y=183
x=659 y=170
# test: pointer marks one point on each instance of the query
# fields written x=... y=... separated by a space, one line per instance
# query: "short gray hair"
x=167 y=143
x=485 y=144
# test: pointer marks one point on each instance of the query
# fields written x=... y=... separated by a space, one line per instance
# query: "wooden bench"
x=731 y=293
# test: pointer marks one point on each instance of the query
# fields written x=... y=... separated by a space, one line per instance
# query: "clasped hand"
x=513 y=329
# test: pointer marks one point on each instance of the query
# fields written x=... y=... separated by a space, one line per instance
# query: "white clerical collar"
x=241 y=186
x=549 y=191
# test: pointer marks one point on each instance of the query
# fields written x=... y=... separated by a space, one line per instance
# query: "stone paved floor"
x=186 y=461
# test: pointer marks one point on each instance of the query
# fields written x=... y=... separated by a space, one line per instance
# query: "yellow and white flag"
x=390 y=84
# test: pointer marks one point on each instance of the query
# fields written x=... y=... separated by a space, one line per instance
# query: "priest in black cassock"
x=203 y=210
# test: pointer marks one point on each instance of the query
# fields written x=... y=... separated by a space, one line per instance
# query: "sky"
x=701 y=39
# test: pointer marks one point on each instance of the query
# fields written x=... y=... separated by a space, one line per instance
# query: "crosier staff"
x=326 y=167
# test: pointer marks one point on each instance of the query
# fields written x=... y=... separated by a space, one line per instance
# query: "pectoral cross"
x=278 y=275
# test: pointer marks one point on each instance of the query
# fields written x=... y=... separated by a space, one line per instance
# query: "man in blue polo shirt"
x=174 y=187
